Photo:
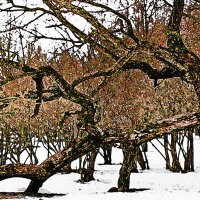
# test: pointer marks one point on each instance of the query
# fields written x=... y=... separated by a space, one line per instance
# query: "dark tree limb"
x=40 y=173
x=68 y=92
x=39 y=88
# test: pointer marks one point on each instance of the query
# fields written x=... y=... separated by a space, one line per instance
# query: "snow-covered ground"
x=162 y=184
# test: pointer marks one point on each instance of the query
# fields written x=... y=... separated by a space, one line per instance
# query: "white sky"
x=41 y=24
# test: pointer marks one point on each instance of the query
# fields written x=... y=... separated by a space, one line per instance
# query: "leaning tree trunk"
x=129 y=153
x=141 y=160
x=56 y=162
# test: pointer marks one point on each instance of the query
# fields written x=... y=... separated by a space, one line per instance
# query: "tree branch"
x=87 y=39
x=174 y=40
x=130 y=32
x=154 y=130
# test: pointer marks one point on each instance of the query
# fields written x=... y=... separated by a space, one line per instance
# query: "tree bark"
x=40 y=173
x=67 y=169
x=107 y=154
x=189 y=159
x=195 y=76
x=87 y=173
x=129 y=153
x=191 y=138
x=140 y=159
x=35 y=185
x=176 y=167
x=166 y=147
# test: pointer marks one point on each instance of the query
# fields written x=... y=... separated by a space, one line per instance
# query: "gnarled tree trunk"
x=40 y=173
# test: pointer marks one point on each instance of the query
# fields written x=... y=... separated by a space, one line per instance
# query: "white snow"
x=162 y=184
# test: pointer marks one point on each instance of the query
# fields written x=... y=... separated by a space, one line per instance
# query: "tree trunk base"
x=87 y=175
x=34 y=186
